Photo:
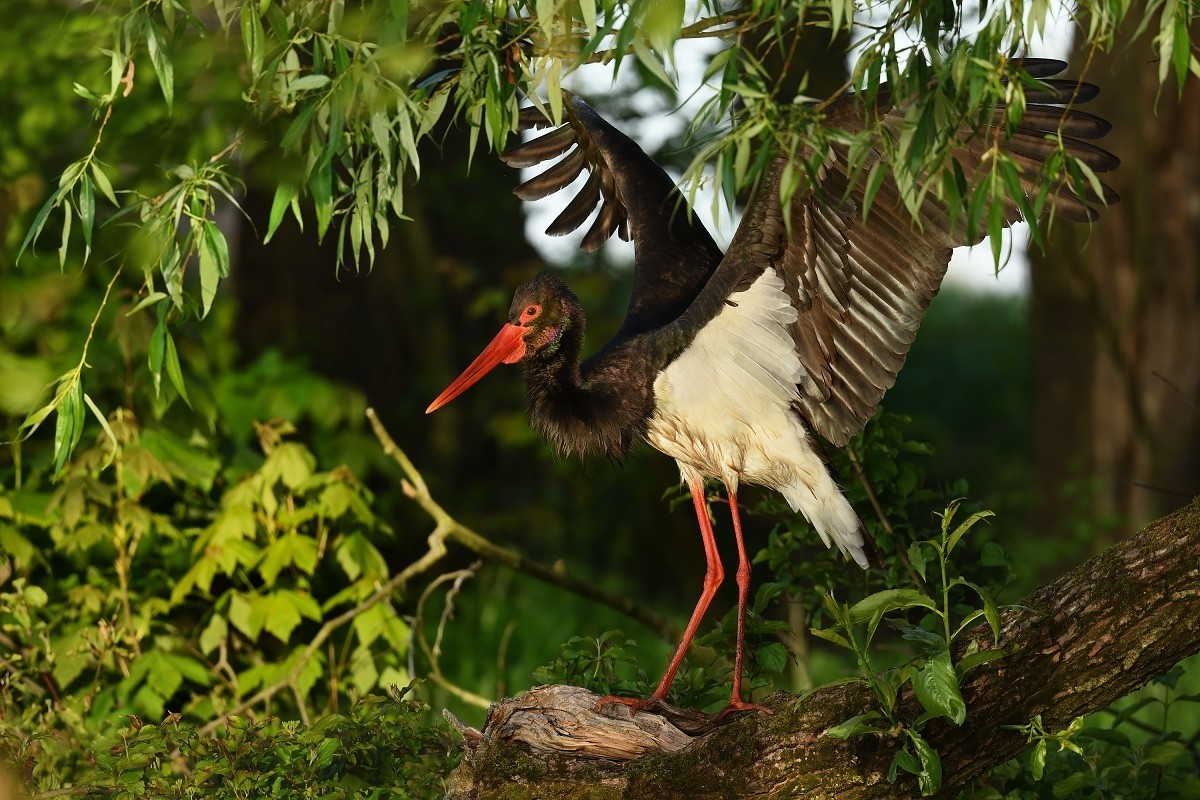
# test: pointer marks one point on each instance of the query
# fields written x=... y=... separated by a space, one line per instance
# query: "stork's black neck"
x=601 y=406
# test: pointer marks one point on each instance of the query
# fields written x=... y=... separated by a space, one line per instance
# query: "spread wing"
x=674 y=255
x=862 y=287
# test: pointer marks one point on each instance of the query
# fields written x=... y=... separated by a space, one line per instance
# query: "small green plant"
x=603 y=664
x=1041 y=739
x=1145 y=747
x=950 y=605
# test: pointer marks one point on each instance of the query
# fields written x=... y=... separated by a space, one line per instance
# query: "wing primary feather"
x=1049 y=119
x=578 y=210
x=557 y=177
x=1054 y=92
x=607 y=222
x=543 y=148
x=532 y=117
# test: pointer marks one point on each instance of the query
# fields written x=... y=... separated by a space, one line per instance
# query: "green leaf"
x=285 y=193
x=993 y=555
x=903 y=760
x=966 y=525
x=157 y=350
x=103 y=421
x=831 y=636
x=855 y=726
x=252 y=38
x=916 y=557
x=39 y=221
x=174 y=372
x=163 y=68
x=308 y=83
x=915 y=633
x=292 y=549
x=35 y=419
x=772 y=657
x=936 y=687
x=87 y=210
x=1037 y=760
x=290 y=463
x=213 y=633
x=66 y=236
x=978 y=658
x=650 y=61
x=874 y=183
x=299 y=126
x=147 y=301
x=929 y=778
x=1070 y=785
x=102 y=183
x=357 y=556
x=320 y=183
x=990 y=611
x=183 y=460
x=889 y=600
x=1163 y=753
x=210 y=274
x=245 y=615
x=70 y=424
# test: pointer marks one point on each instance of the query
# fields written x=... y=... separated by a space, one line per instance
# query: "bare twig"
x=887 y=526
x=433 y=654
x=414 y=487
x=1190 y=401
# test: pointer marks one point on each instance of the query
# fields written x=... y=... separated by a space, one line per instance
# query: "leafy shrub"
x=383 y=747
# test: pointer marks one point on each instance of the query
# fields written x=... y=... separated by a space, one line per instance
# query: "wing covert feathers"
x=862 y=287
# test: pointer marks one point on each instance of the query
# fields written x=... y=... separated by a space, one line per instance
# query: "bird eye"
x=530 y=312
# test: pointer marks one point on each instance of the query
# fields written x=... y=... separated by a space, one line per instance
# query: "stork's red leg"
x=743 y=583
x=713 y=576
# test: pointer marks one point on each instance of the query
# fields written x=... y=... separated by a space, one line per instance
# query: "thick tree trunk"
x=1095 y=635
x=1115 y=313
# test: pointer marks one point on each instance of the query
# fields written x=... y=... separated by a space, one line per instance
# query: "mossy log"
x=1091 y=636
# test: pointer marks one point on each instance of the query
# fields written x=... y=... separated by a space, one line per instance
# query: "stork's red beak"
x=508 y=347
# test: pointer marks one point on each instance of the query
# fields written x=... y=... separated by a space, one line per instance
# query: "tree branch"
x=456 y=532
x=1094 y=635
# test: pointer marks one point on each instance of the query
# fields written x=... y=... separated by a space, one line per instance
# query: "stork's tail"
x=827 y=509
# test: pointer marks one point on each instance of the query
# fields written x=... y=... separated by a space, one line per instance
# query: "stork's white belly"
x=723 y=409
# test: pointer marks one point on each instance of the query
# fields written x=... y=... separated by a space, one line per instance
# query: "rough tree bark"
x=1100 y=632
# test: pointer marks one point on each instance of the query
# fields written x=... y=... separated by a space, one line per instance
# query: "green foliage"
x=604 y=664
x=934 y=676
x=329 y=106
x=383 y=747
x=1120 y=752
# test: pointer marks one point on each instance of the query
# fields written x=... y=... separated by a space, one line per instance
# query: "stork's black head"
x=544 y=309
x=542 y=312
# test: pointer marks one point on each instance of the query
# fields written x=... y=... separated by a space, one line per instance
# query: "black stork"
x=729 y=363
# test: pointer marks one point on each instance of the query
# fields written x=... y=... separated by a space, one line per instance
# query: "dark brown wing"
x=674 y=255
x=862 y=287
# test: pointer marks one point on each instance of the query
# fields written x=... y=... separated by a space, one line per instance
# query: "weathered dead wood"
x=1100 y=632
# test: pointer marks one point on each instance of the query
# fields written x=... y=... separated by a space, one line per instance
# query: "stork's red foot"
x=635 y=704
x=741 y=705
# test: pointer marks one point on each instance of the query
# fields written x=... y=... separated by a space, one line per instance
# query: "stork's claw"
x=635 y=704
x=741 y=705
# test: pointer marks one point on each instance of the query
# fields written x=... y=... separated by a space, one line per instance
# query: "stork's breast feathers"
x=732 y=388
x=724 y=409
